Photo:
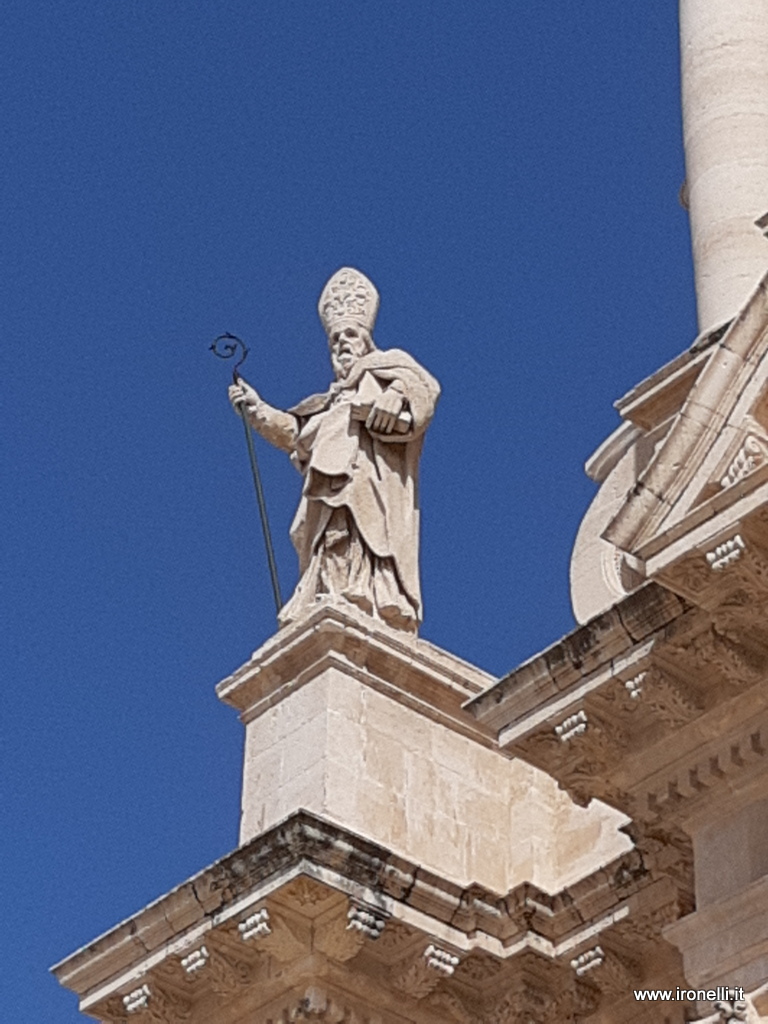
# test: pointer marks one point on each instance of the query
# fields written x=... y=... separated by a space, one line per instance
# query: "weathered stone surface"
x=371 y=733
x=438 y=949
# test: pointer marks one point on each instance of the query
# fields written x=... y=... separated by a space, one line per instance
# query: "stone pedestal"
x=364 y=726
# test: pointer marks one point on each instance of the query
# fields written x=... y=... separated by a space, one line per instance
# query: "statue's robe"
x=356 y=529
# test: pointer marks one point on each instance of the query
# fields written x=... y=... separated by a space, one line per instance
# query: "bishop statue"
x=357 y=445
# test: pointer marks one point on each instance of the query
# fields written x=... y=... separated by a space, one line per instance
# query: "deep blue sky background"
x=506 y=172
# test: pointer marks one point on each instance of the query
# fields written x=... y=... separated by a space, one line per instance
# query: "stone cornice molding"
x=439 y=683
x=613 y=643
x=670 y=497
x=210 y=936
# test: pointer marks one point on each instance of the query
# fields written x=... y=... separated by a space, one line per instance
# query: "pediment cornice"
x=711 y=456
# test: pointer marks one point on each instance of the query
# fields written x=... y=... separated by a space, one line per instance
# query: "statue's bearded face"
x=347 y=345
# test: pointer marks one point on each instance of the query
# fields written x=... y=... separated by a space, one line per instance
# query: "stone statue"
x=357 y=446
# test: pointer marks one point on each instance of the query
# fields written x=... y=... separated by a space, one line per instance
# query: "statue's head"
x=347 y=344
x=348 y=307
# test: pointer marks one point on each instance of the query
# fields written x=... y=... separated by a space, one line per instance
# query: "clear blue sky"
x=506 y=172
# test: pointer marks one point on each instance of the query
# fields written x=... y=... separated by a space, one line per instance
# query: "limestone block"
x=731 y=853
x=727 y=942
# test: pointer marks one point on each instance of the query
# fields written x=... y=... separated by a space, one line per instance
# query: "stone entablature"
x=637 y=717
x=670 y=726
x=310 y=917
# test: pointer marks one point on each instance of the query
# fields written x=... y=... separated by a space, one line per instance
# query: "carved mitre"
x=348 y=299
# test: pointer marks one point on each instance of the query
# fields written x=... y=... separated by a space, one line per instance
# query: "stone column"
x=724 y=61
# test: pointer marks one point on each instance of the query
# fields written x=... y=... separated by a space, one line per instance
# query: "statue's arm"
x=279 y=428
x=408 y=391
x=385 y=411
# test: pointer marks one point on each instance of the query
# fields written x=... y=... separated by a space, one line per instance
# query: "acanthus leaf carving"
x=581 y=756
x=648 y=926
x=724 y=650
x=529 y=1004
x=599 y=748
x=669 y=699
x=452 y=1008
x=653 y=689
x=666 y=850
x=573 y=1003
x=336 y=939
x=691 y=578
x=308 y=892
x=280 y=941
x=742 y=611
x=113 y=1011
x=227 y=973
x=396 y=936
x=318 y=1007
x=480 y=969
x=421 y=976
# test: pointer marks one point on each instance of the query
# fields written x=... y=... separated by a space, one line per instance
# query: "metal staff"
x=225 y=347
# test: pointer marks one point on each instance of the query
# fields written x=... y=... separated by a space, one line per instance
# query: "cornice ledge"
x=662 y=494
x=526 y=918
x=610 y=642
x=300 y=651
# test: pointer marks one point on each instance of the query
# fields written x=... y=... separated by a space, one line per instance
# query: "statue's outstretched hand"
x=384 y=412
x=243 y=397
